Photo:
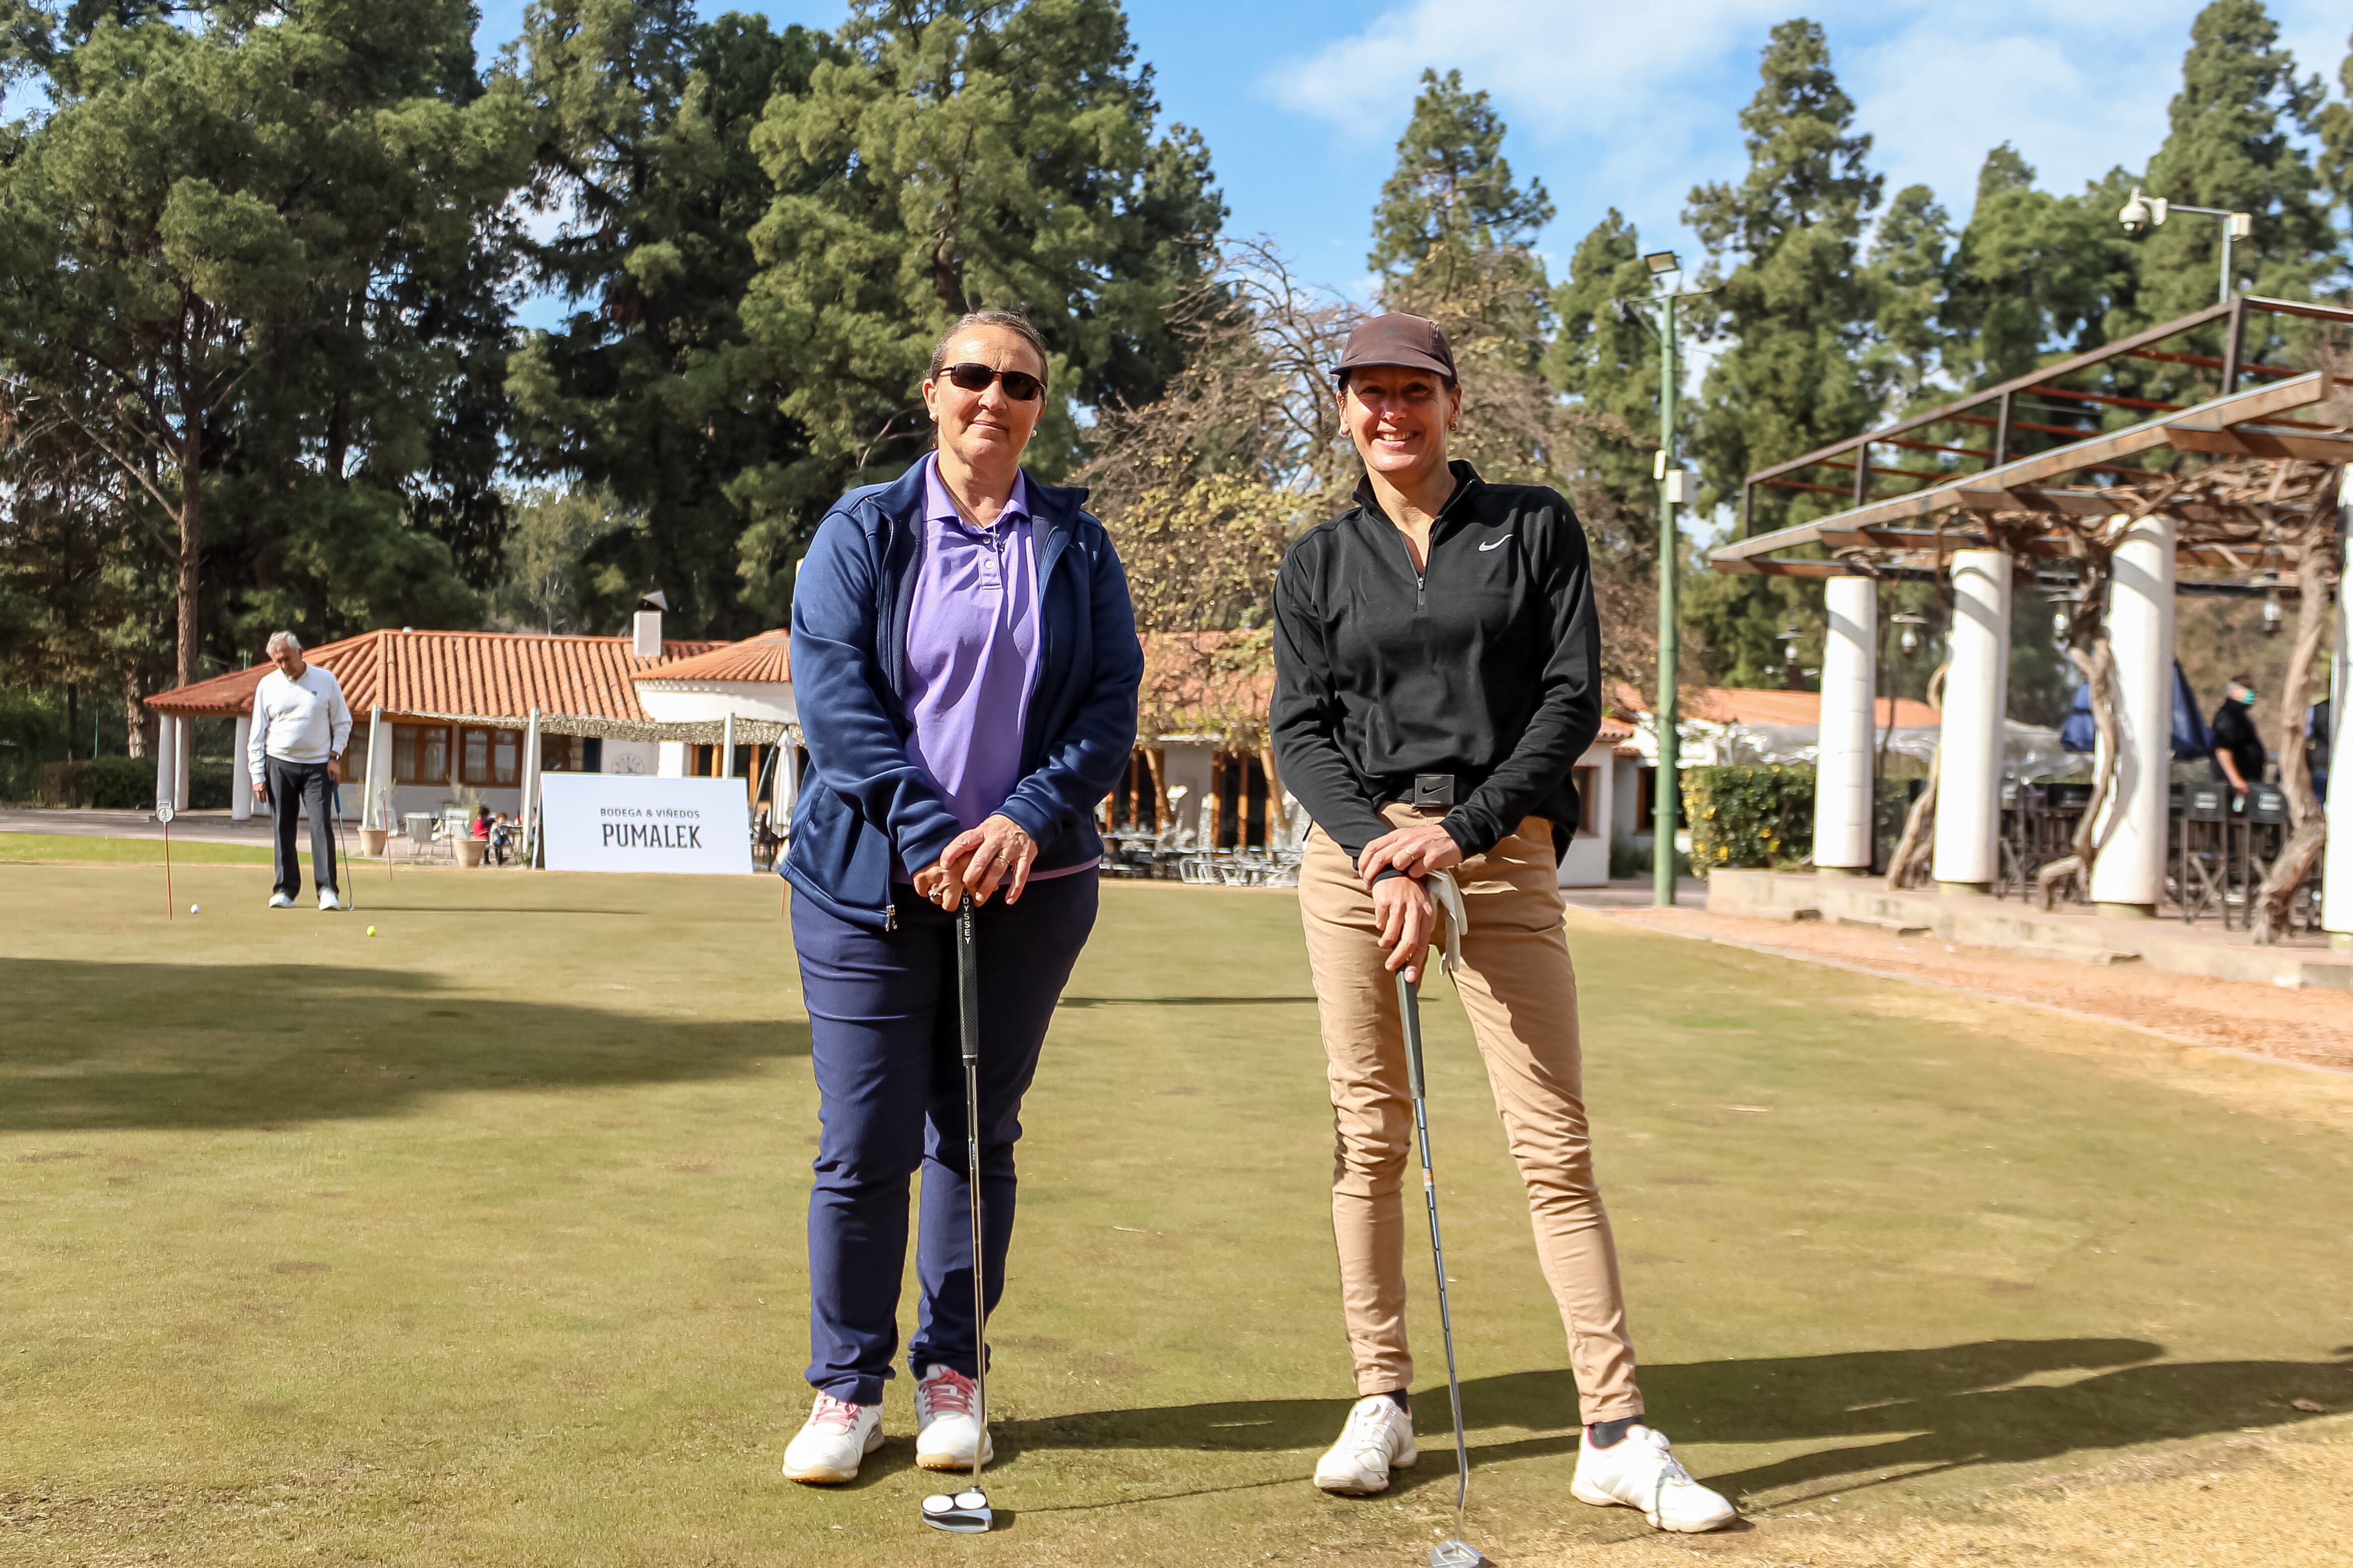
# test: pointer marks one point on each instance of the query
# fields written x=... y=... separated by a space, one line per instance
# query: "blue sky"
x=1629 y=105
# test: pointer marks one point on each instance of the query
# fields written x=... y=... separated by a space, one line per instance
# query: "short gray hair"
x=282 y=639
x=1019 y=326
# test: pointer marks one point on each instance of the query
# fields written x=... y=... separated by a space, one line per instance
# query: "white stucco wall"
x=1587 y=863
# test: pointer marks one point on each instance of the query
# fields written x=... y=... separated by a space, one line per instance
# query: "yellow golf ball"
x=371 y=930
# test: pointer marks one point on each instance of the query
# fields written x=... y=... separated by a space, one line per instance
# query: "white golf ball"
x=195 y=909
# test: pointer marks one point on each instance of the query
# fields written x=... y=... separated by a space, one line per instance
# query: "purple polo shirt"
x=972 y=650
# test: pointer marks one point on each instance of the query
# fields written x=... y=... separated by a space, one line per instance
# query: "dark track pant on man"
x=890 y=1075
x=301 y=786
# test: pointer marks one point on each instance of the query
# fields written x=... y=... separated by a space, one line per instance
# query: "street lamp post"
x=2143 y=213
x=1667 y=796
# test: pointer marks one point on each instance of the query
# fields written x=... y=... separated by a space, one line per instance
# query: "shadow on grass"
x=115 y=1046
x=1930 y=1410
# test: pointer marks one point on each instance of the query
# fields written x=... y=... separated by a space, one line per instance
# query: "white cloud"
x=1632 y=104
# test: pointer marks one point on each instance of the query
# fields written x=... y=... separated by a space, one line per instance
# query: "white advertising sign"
x=605 y=822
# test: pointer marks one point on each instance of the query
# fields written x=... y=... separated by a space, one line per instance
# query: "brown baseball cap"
x=1396 y=339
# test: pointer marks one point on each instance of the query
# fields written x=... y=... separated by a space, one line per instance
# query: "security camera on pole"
x=2144 y=213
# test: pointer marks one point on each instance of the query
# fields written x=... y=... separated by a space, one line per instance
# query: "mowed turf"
x=479 y=1241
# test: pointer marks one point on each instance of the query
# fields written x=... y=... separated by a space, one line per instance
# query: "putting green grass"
x=68 y=848
x=479 y=1241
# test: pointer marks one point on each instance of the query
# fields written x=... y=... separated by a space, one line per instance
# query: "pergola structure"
x=2240 y=492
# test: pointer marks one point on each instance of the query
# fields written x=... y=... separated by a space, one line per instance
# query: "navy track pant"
x=890 y=1077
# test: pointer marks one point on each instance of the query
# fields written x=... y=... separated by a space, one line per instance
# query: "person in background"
x=2237 y=749
x=480 y=831
x=501 y=835
x=300 y=726
x=2319 y=734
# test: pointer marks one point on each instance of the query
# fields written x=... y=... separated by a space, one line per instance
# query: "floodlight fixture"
x=1661 y=262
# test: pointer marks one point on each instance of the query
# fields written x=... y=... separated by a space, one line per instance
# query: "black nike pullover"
x=1484 y=665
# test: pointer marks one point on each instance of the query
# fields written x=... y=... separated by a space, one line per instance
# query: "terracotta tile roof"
x=488 y=675
x=765 y=658
x=1757 y=705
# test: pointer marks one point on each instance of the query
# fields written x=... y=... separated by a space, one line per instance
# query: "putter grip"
x=968 y=983
x=1410 y=1016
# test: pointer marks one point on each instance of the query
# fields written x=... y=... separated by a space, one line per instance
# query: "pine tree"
x=1607 y=359
x=1907 y=265
x=2234 y=142
x=1796 y=308
x=241 y=259
x=2334 y=124
x=1797 y=311
x=650 y=390
x=2033 y=274
x=959 y=155
x=1452 y=234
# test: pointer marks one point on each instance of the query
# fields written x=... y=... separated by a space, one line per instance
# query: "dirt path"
x=2219 y=1504
x=2311 y=1027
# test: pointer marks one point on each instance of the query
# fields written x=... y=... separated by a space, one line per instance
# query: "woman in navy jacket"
x=965 y=662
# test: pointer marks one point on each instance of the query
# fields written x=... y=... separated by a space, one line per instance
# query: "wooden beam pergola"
x=1960 y=513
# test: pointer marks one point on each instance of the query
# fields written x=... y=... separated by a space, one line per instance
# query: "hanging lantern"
x=2274 y=618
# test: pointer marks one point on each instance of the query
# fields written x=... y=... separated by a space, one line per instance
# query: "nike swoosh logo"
x=1492 y=544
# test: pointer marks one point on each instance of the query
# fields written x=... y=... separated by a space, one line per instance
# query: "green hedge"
x=1749 y=815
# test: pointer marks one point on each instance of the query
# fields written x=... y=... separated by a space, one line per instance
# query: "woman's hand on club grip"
x=1417 y=849
x=939 y=885
x=1406 y=916
x=997 y=852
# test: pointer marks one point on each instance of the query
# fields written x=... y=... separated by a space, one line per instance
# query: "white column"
x=376 y=801
x=1977 y=700
x=2336 y=871
x=240 y=773
x=788 y=779
x=727 y=747
x=2128 y=875
x=180 y=760
x=669 y=762
x=1842 y=765
x=167 y=771
x=531 y=790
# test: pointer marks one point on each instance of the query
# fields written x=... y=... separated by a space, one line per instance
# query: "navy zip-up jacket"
x=864 y=798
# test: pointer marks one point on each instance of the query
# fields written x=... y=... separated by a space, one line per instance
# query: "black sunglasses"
x=1019 y=384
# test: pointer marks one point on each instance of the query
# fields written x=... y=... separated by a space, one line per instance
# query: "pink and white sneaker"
x=947 y=1422
x=831 y=1442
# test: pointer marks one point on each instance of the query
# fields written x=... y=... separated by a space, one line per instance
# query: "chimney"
x=644 y=628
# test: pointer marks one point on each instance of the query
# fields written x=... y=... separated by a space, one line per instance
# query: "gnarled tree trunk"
x=1917 y=842
x=2099 y=667
x=2274 y=901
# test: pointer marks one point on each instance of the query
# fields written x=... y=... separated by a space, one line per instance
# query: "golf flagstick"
x=1456 y=1553
x=967 y=1512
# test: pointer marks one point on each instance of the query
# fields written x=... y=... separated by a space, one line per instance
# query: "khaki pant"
x=1520 y=990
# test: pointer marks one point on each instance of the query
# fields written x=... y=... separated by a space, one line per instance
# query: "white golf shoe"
x=1378 y=1439
x=947 y=1420
x=1639 y=1470
x=836 y=1437
x=281 y=901
x=329 y=899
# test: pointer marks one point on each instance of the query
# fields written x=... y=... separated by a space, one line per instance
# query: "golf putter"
x=1455 y=1552
x=343 y=892
x=967 y=1512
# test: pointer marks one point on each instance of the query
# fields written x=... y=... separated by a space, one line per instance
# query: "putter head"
x=962 y=1513
x=1457 y=1554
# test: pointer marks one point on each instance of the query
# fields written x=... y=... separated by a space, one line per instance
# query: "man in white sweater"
x=300 y=726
